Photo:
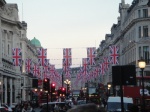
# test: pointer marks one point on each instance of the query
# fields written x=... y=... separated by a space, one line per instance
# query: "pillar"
x=10 y=82
x=5 y=83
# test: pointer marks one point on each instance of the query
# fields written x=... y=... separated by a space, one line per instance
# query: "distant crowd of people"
x=24 y=107
x=68 y=107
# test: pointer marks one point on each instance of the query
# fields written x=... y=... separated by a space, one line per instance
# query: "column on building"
x=5 y=84
x=10 y=82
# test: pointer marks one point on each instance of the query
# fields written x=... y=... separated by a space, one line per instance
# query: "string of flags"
x=88 y=70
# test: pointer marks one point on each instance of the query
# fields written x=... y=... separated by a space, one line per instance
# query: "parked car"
x=3 y=109
x=9 y=109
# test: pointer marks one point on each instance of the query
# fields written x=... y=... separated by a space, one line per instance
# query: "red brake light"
x=6 y=109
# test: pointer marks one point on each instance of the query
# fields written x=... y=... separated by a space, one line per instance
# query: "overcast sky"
x=75 y=24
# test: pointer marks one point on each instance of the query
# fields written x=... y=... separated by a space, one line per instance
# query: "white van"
x=114 y=104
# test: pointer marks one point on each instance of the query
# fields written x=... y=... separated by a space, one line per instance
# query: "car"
x=114 y=103
x=80 y=102
x=8 y=108
x=52 y=105
x=3 y=109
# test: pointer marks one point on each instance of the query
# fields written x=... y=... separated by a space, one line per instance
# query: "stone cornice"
x=133 y=22
x=16 y=23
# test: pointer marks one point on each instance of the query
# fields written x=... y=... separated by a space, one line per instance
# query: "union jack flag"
x=40 y=73
x=96 y=72
x=91 y=55
x=47 y=62
x=28 y=65
x=85 y=62
x=16 y=55
x=45 y=70
x=65 y=67
x=91 y=75
x=52 y=70
x=79 y=76
x=102 y=68
x=67 y=56
x=67 y=62
x=106 y=63
x=42 y=55
x=114 y=54
x=68 y=75
x=80 y=72
x=36 y=70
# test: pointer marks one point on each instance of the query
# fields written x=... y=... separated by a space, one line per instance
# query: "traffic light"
x=63 y=91
x=46 y=84
x=52 y=87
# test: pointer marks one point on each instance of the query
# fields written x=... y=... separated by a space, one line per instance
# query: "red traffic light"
x=53 y=84
x=45 y=80
x=63 y=89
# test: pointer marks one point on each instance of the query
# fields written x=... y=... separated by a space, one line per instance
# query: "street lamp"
x=84 y=90
x=142 y=64
x=109 y=86
x=67 y=82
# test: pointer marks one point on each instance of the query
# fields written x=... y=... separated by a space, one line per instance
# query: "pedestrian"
x=32 y=109
x=24 y=108
x=56 y=108
x=62 y=109
x=104 y=102
x=18 y=108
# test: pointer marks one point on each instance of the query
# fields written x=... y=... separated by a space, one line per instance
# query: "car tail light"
x=6 y=109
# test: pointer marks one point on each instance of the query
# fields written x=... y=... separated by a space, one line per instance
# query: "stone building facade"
x=15 y=84
x=132 y=35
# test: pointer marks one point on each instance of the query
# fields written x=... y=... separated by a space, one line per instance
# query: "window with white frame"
x=139 y=32
x=145 y=12
x=139 y=13
x=145 y=31
x=146 y=53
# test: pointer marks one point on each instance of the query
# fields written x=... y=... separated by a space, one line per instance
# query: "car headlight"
x=98 y=106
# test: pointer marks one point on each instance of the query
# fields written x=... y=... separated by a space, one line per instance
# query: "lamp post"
x=84 y=90
x=67 y=82
x=109 y=86
x=142 y=64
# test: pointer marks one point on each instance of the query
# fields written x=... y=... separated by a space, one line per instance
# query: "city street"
x=37 y=109
x=58 y=54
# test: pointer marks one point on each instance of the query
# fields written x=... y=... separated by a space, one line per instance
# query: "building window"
x=146 y=53
x=139 y=31
x=8 y=49
x=140 y=52
x=139 y=13
x=3 y=47
x=145 y=12
x=145 y=31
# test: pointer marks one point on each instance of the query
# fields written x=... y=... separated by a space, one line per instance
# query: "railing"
x=7 y=62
